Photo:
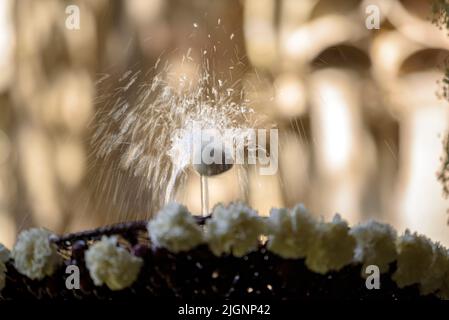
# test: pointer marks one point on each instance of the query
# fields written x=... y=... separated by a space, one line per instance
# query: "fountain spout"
x=207 y=169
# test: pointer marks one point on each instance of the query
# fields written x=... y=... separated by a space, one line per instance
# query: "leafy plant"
x=440 y=14
x=443 y=174
x=440 y=17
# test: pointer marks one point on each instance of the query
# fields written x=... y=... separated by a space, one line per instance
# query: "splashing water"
x=145 y=140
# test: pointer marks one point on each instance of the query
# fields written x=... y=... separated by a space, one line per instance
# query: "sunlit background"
x=361 y=126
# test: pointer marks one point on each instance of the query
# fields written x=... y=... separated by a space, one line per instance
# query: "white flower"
x=290 y=232
x=415 y=256
x=331 y=248
x=175 y=229
x=110 y=264
x=433 y=280
x=234 y=229
x=4 y=257
x=34 y=255
x=376 y=245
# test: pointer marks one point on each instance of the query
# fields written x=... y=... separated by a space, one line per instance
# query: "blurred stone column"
x=8 y=187
x=53 y=93
x=406 y=64
x=424 y=123
x=341 y=149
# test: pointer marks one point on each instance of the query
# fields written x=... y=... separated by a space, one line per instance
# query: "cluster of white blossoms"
x=326 y=246
x=234 y=229
x=432 y=281
x=237 y=230
x=376 y=245
x=296 y=234
x=332 y=246
x=35 y=256
x=111 y=264
x=420 y=261
x=175 y=229
x=290 y=232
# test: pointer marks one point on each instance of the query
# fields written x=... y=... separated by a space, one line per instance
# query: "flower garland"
x=236 y=230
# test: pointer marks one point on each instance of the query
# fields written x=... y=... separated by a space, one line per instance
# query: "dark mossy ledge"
x=199 y=274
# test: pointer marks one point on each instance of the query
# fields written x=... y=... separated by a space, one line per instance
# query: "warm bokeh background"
x=361 y=127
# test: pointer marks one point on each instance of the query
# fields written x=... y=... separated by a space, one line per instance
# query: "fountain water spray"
x=142 y=135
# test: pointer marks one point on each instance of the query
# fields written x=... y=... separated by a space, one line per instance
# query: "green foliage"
x=443 y=174
x=443 y=90
x=440 y=13
x=440 y=17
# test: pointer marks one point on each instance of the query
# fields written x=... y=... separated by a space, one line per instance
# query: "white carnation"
x=290 y=232
x=376 y=245
x=112 y=265
x=234 y=229
x=175 y=229
x=4 y=257
x=34 y=255
x=332 y=247
x=415 y=256
x=433 y=281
